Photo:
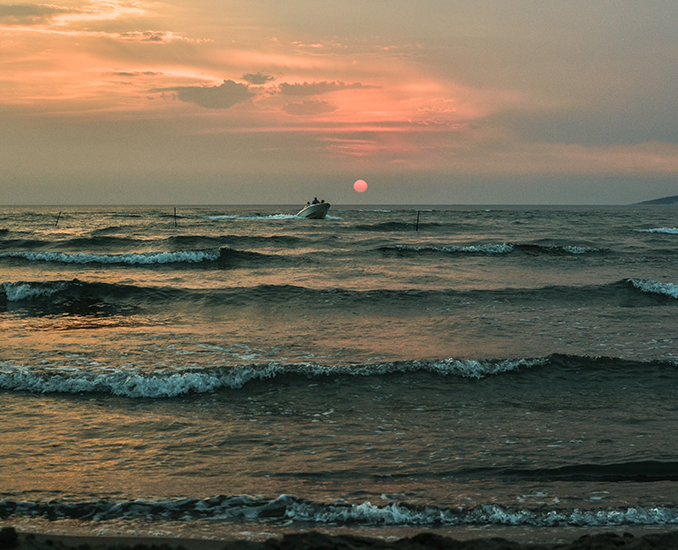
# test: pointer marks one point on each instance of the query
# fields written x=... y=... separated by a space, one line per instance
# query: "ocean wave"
x=24 y=244
x=497 y=249
x=488 y=249
x=77 y=298
x=666 y=230
x=50 y=294
x=288 y=508
x=644 y=471
x=36 y=291
x=253 y=217
x=481 y=515
x=139 y=258
x=224 y=256
x=114 y=248
x=558 y=250
x=15 y=292
x=166 y=383
x=656 y=287
x=394 y=226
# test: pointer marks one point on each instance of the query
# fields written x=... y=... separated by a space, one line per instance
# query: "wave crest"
x=290 y=508
x=502 y=248
x=164 y=383
x=131 y=258
x=655 y=287
x=499 y=249
x=666 y=230
x=15 y=292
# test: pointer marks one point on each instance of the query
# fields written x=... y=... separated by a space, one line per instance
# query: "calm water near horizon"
x=239 y=371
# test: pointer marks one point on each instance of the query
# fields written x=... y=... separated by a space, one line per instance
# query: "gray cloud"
x=223 y=96
x=317 y=88
x=312 y=107
x=257 y=78
x=31 y=14
x=137 y=73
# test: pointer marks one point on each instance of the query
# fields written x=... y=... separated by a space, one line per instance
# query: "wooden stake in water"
x=57 y=220
x=416 y=228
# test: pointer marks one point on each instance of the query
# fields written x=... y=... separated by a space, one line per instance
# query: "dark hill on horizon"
x=665 y=201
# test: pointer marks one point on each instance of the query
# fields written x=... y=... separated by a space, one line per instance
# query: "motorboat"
x=314 y=211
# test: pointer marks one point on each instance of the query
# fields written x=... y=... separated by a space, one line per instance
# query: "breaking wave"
x=288 y=508
x=50 y=296
x=497 y=249
x=139 y=258
x=163 y=382
x=167 y=383
x=666 y=230
x=489 y=249
x=656 y=287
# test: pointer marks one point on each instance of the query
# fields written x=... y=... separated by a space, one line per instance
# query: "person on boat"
x=315 y=200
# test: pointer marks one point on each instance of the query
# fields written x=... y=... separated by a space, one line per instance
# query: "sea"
x=239 y=372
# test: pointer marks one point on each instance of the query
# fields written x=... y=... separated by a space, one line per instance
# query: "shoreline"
x=10 y=539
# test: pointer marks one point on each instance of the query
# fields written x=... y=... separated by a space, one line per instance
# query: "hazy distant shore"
x=664 y=201
x=10 y=539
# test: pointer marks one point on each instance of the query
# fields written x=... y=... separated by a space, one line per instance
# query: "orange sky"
x=504 y=101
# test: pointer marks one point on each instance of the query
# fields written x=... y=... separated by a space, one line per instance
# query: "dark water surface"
x=246 y=372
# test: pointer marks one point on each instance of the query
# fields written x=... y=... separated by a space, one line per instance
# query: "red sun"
x=360 y=186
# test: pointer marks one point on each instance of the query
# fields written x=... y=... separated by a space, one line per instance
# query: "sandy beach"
x=11 y=539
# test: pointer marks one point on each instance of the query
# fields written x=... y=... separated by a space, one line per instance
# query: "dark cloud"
x=312 y=107
x=137 y=73
x=257 y=78
x=31 y=14
x=223 y=96
x=317 y=88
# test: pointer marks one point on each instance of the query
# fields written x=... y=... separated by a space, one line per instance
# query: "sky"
x=277 y=101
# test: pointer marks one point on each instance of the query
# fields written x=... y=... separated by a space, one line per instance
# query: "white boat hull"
x=314 y=211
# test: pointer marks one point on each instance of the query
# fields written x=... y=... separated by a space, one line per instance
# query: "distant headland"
x=662 y=202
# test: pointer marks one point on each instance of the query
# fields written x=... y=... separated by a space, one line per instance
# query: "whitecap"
x=140 y=258
x=167 y=383
x=656 y=287
x=25 y=291
x=667 y=230
x=503 y=248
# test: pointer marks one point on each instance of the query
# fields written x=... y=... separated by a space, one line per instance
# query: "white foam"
x=656 y=287
x=489 y=514
x=25 y=291
x=503 y=248
x=667 y=230
x=290 y=508
x=140 y=258
x=166 y=383
x=481 y=369
x=580 y=249
x=124 y=382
